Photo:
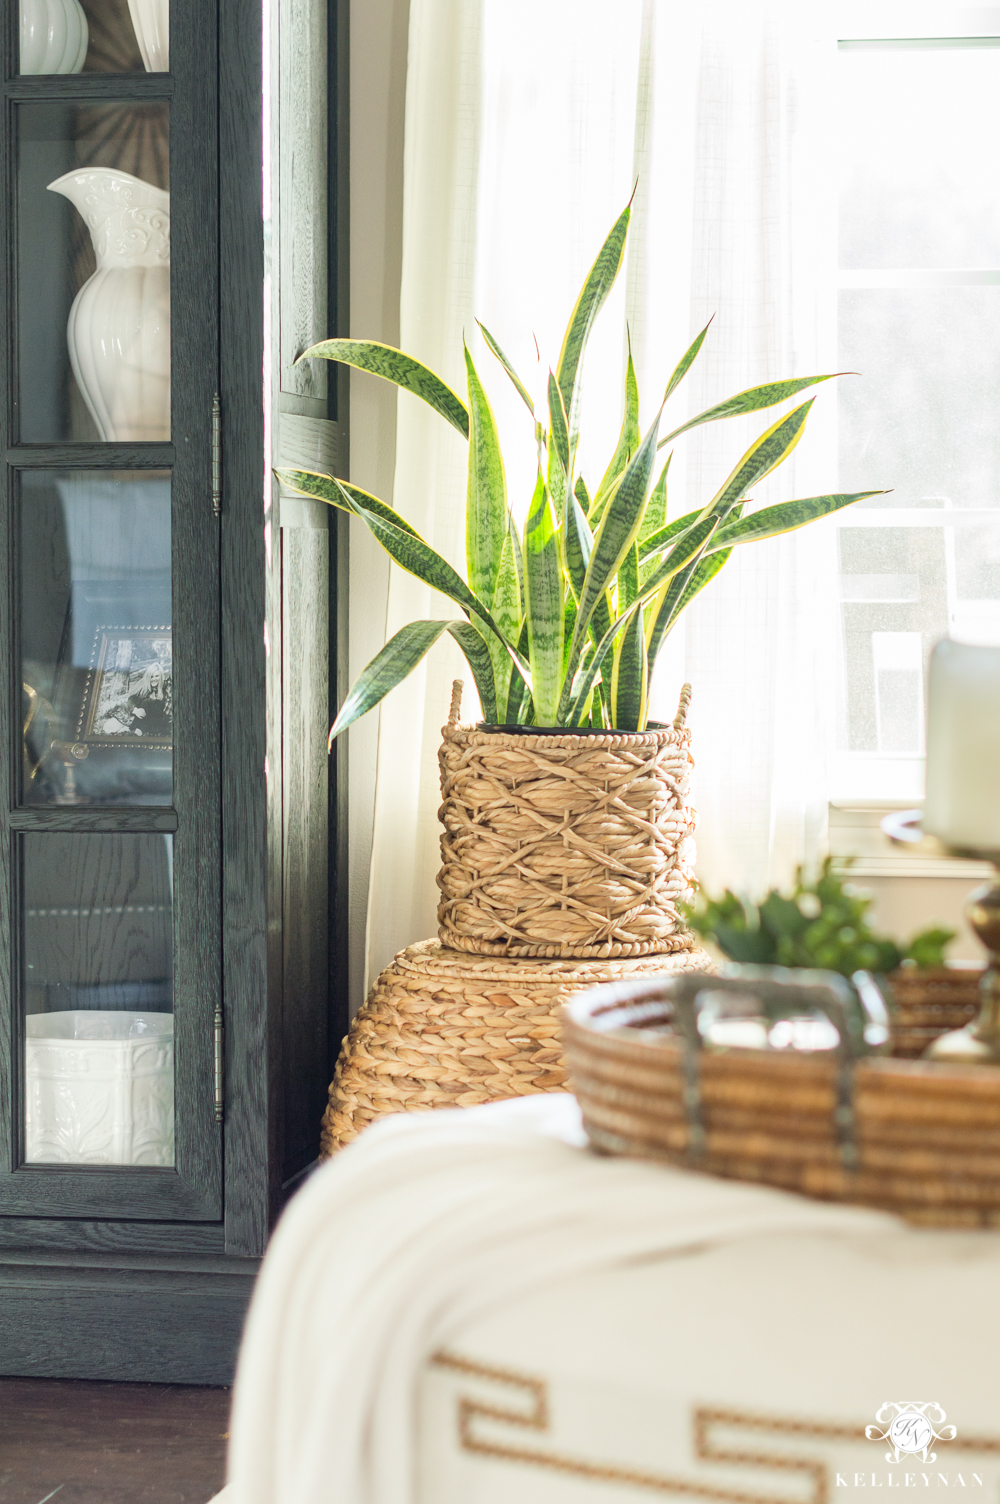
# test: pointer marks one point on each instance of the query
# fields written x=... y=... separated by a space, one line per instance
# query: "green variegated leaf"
x=600 y=621
x=750 y=401
x=479 y=655
x=586 y=677
x=559 y=451
x=558 y=426
x=418 y=558
x=704 y=572
x=628 y=439
x=519 y=385
x=579 y=545
x=569 y=622
x=600 y=280
x=388 y=668
x=656 y=542
x=519 y=705
x=486 y=495
x=770 y=521
x=615 y=536
x=677 y=594
x=515 y=544
x=392 y=365
x=686 y=361
x=684 y=552
x=630 y=678
x=506 y=607
x=628 y=578
x=656 y=509
x=600 y=505
x=543 y=605
x=338 y=493
x=761 y=458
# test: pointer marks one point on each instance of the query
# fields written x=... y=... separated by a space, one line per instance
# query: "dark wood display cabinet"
x=170 y=950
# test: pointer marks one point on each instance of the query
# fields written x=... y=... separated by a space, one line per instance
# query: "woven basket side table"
x=443 y=1028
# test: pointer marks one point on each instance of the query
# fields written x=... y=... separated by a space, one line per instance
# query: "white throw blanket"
x=428 y=1221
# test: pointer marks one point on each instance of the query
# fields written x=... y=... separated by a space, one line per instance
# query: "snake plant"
x=562 y=621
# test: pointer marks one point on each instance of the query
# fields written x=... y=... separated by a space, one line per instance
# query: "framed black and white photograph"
x=114 y=699
x=128 y=689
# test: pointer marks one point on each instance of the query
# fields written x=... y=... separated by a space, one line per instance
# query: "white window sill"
x=855 y=831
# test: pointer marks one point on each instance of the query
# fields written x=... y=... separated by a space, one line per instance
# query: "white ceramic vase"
x=54 y=36
x=151 y=19
x=119 y=325
x=100 y=1088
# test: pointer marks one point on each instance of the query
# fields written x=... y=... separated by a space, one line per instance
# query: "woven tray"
x=930 y=1002
x=566 y=844
x=921 y=1139
x=443 y=1029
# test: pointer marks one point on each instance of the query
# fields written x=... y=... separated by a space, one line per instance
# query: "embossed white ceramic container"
x=100 y=1088
x=54 y=36
x=119 y=325
x=151 y=19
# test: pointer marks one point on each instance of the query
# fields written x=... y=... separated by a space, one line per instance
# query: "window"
x=918 y=307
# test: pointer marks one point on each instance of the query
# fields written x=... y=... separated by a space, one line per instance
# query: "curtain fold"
x=525 y=137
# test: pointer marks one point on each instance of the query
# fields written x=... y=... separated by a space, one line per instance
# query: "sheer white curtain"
x=528 y=125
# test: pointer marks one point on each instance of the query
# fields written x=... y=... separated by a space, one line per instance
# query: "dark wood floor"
x=83 y=1443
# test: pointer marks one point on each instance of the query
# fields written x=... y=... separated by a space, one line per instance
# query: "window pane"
x=93 y=272
x=98 y=987
x=96 y=639
x=894 y=589
x=920 y=130
x=921 y=417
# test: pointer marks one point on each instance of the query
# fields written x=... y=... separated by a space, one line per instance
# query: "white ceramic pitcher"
x=119 y=325
x=54 y=36
x=151 y=20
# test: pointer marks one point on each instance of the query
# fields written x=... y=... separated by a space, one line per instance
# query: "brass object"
x=68 y=754
x=218 y=1054
x=979 y=1042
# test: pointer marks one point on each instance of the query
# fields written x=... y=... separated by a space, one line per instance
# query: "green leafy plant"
x=820 y=924
x=563 y=621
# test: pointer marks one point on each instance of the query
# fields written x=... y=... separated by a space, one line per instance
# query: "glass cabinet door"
x=110 y=628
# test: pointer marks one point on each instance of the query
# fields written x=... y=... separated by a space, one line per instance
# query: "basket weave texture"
x=924 y=1137
x=565 y=845
x=930 y=1003
x=444 y=1029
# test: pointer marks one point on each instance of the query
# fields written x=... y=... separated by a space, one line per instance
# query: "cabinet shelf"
x=148 y=820
x=91 y=456
x=86 y=88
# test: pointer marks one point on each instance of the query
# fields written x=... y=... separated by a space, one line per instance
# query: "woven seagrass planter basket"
x=930 y=1002
x=565 y=844
x=445 y=1029
x=924 y=1137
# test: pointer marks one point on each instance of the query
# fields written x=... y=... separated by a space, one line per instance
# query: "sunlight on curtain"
x=525 y=137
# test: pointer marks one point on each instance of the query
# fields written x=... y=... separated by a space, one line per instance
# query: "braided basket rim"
x=603 y=741
x=506 y=966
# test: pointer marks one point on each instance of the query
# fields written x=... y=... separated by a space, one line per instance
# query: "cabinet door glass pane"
x=98 y=988
x=93 y=272
x=95 y=36
x=96 y=640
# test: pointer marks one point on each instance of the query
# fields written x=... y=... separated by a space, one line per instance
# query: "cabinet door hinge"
x=218 y=1044
x=216 y=456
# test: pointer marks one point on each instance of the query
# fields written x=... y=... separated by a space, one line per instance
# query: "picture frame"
x=114 y=695
x=127 y=694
